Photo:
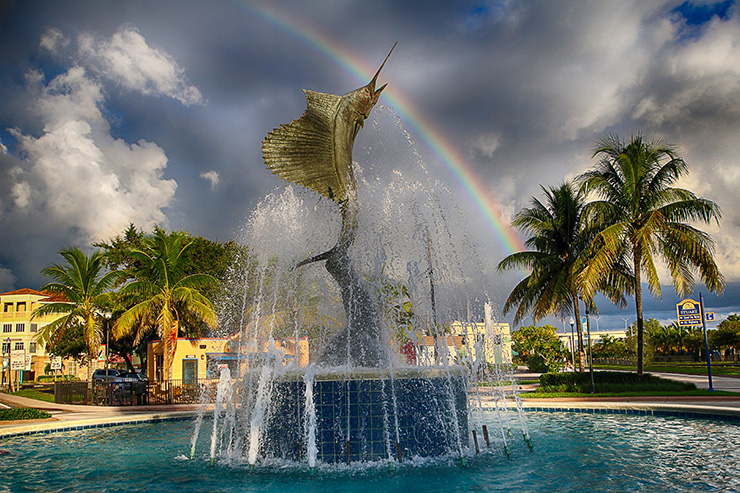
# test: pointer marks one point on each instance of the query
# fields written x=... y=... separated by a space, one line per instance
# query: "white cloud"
x=53 y=39
x=211 y=176
x=3 y=149
x=75 y=174
x=486 y=144
x=127 y=59
x=7 y=280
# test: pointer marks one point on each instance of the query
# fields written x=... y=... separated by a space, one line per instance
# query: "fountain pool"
x=573 y=452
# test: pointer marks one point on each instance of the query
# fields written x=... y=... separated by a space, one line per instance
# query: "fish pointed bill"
x=375 y=78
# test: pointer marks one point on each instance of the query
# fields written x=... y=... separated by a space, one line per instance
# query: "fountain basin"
x=369 y=415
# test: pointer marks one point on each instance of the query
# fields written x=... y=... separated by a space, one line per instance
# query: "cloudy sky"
x=118 y=112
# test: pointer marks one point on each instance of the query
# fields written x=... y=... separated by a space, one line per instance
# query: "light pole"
x=107 y=316
x=590 y=354
x=572 y=344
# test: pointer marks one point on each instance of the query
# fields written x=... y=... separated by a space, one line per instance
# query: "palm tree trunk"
x=638 y=307
x=579 y=331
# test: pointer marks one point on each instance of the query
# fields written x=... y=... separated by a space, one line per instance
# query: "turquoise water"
x=573 y=452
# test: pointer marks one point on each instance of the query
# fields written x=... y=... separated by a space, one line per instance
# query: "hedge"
x=22 y=413
x=609 y=381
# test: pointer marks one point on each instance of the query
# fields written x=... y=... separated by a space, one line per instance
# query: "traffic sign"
x=56 y=363
x=689 y=313
x=709 y=316
x=18 y=359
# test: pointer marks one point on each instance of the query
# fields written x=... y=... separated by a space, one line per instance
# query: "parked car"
x=100 y=374
x=131 y=376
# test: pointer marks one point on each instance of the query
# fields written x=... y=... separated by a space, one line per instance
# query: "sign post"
x=56 y=364
x=690 y=313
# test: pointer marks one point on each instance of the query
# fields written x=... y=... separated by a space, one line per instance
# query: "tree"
x=727 y=335
x=82 y=296
x=532 y=343
x=644 y=218
x=610 y=347
x=164 y=297
x=560 y=240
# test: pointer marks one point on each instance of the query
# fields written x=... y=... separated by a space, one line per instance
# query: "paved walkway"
x=67 y=415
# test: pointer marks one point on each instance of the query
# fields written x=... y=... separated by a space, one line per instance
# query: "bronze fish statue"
x=316 y=151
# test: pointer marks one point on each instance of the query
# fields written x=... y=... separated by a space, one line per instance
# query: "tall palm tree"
x=164 y=297
x=559 y=242
x=645 y=218
x=82 y=290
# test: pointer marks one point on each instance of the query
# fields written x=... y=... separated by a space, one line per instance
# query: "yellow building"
x=197 y=359
x=20 y=332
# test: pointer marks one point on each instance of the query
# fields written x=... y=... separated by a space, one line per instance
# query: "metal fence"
x=116 y=393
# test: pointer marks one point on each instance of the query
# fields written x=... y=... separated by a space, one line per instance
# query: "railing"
x=111 y=393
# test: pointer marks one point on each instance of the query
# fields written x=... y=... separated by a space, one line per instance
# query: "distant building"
x=464 y=342
x=570 y=339
x=197 y=359
x=20 y=332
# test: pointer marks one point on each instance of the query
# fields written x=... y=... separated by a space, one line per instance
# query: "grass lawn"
x=22 y=413
x=33 y=394
x=655 y=393
x=718 y=368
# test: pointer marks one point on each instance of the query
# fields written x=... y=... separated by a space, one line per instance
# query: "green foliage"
x=59 y=378
x=610 y=347
x=163 y=296
x=642 y=218
x=22 y=413
x=69 y=343
x=539 y=346
x=83 y=293
x=727 y=335
x=559 y=248
x=609 y=381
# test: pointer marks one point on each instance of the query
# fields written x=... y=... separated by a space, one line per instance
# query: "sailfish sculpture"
x=316 y=151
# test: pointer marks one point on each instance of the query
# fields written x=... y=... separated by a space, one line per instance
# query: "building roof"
x=26 y=291
x=46 y=296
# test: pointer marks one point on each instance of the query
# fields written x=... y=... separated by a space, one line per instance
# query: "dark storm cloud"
x=522 y=87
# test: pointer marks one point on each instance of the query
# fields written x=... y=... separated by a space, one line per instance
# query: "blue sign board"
x=709 y=316
x=689 y=313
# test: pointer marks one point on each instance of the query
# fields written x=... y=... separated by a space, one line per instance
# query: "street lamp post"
x=590 y=353
x=107 y=316
x=572 y=344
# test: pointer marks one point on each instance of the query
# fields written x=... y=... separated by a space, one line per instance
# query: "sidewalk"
x=69 y=416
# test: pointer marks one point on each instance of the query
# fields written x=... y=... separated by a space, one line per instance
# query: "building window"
x=20 y=327
x=34 y=327
x=32 y=347
x=8 y=307
x=7 y=327
x=6 y=347
x=21 y=307
x=19 y=346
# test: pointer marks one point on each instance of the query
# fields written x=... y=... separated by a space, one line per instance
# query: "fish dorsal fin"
x=302 y=151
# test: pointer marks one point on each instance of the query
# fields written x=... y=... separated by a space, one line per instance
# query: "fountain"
x=369 y=359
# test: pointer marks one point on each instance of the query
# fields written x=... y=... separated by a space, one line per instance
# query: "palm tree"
x=560 y=240
x=82 y=296
x=644 y=218
x=164 y=297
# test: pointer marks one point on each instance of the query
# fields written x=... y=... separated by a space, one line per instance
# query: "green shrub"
x=537 y=364
x=22 y=413
x=50 y=378
x=609 y=381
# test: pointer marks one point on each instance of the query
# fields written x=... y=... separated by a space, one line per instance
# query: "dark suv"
x=99 y=374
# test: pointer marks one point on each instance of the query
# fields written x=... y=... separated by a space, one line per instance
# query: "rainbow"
x=433 y=138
